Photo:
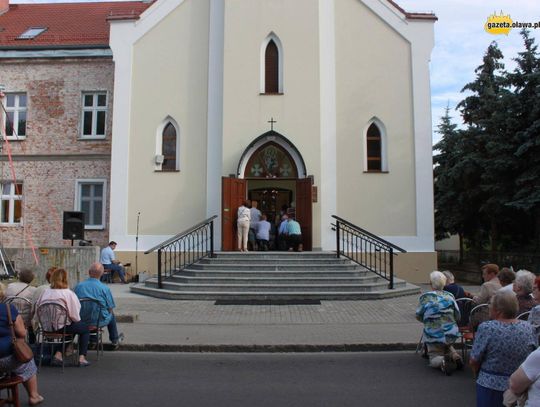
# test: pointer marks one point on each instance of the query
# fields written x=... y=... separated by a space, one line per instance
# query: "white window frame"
x=78 y=200
x=11 y=197
x=382 y=130
x=94 y=109
x=159 y=143
x=279 y=46
x=16 y=109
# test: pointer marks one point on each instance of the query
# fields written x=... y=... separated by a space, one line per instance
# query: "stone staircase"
x=274 y=276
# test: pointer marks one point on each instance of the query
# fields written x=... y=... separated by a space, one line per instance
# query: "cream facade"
x=344 y=64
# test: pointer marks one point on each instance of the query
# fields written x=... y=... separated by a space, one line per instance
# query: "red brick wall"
x=54 y=89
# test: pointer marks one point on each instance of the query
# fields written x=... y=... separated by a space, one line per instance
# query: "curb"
x=293 y=348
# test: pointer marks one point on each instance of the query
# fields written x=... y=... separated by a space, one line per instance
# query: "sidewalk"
x=168 y=325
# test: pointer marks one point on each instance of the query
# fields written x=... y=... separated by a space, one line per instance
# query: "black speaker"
x=73 y=226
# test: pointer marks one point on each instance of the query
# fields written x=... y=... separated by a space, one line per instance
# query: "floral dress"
x=501 y=348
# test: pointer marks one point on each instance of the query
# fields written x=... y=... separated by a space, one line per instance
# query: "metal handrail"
x=366 y=249
x=184 y=249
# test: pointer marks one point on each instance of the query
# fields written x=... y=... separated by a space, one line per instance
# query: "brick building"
x=57 y=74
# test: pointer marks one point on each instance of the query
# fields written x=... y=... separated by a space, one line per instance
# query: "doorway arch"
x=283 y=148
x=270 y=168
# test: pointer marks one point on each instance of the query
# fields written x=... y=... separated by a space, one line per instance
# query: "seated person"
x=59 y=292
x=523 y=287
x=534 y=316
x=439 y=312
x=490 y=286
x=22 y=288
x=95 y=289
x=507 y=277
x=458 y=292
x=108 y=259
x=263 y=233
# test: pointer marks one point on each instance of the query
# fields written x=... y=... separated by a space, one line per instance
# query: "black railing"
x=184 y=249
x=366 y=249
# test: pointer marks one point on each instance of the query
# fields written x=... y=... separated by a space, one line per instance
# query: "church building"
x=321 y=105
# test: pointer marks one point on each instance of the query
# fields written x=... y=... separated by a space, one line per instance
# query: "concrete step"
x=255 y=272
x=265 y=287
x=276 y=255
x=203 y=279
x=273 y=261
x=275 y=267
x=407 y=289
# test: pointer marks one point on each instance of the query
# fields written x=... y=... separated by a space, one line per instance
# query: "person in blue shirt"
x=95 y=289
x=295 y=234
x=108 y=259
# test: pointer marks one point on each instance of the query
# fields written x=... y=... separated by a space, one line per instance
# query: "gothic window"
x=168 y=148
x=271 y=61
x=271 y=65
x=374 y=148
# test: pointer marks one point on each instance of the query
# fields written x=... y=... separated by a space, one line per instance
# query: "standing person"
x=527 y=380
x=108 y=259
x=243 y=216
x=500 y=347
x=59 y=292
x=8 y=363
x=439 y=312
x=263 y=233
x=95 y=289
x=490 y=286
x=295 y=234
x=255 y=217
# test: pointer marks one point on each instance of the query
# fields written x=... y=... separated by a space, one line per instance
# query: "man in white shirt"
x=108 y=259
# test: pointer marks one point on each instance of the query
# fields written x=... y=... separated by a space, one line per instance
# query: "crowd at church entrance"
x=257 y=231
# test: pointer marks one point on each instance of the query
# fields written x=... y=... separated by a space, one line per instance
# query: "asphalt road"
x=256 y=380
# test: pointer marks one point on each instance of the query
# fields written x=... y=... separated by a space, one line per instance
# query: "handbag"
x=22 y=352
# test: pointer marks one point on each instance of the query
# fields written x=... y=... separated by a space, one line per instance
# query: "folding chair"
x=53 y=318
x=465 y=306
x=91 y=311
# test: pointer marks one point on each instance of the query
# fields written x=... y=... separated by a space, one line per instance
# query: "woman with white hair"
x=500 y=347
x=439 y=312
x=523 y=287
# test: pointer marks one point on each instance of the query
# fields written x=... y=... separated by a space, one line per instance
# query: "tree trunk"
x=494 y=237
x=460 y=259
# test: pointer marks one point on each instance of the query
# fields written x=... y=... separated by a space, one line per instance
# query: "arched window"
x=271 y=65
x=375 y=148
x=168 y=146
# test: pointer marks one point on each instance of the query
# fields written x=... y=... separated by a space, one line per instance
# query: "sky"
x=460 y=43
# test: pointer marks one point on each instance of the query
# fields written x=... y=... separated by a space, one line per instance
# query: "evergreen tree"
x=489 y=143
x=526 y=81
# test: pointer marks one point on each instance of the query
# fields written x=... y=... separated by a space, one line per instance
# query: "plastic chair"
x=91 y=311
x=53 y=318
x=11 y=385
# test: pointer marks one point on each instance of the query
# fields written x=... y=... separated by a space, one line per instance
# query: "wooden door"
x=234 y=193
x=303 y=210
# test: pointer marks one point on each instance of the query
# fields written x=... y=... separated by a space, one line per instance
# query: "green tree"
x=525 y=80
x=489 y=142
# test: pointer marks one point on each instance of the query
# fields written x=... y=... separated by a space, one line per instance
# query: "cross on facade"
x=272 y=121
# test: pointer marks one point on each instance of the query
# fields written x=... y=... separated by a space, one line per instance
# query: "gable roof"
x=68 y=25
